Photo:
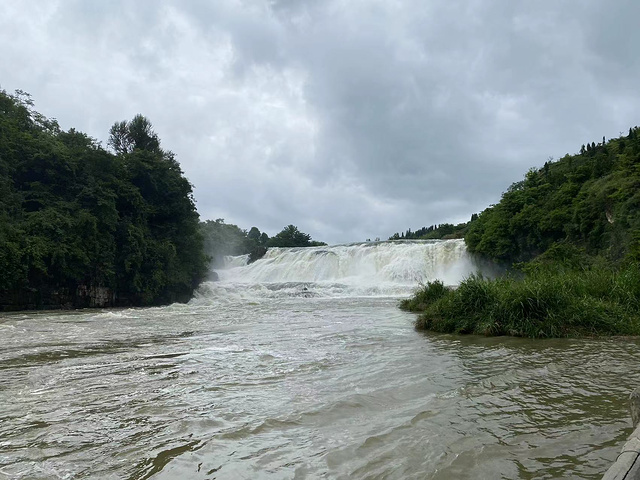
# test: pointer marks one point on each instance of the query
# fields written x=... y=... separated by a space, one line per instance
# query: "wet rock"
x=256 y=254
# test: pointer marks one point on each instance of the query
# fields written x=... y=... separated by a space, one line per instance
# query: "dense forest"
x=590 y=201
x=82 y=226
x=572 y=230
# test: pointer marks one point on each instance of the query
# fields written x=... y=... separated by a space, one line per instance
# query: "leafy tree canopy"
x=590 y=200
x=73 y=214
x=290 y=236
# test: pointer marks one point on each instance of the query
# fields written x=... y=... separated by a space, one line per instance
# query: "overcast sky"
x=351 y=119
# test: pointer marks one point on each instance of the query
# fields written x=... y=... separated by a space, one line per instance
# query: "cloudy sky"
x=351 y=119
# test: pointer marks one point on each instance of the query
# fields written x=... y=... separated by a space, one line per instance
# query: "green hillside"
x=571 y=230
x=590 y=200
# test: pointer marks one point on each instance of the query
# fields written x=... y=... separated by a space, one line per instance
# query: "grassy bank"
x=544 y=303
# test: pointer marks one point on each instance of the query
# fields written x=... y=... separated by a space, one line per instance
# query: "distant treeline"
x=223 y=239
x=443 y=231
x=82 y=226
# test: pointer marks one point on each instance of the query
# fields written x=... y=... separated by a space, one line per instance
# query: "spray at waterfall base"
x=372 y=269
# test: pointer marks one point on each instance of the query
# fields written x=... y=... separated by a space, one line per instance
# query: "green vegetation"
x=74 y=216
x=222 y=239
x=571 y=229
x=590 y=200
x=290 y=236
x=565 y=303
x=78 y=222
x=443 y=231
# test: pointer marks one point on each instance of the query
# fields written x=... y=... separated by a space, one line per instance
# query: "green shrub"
x=545 y=303
x=426 y=295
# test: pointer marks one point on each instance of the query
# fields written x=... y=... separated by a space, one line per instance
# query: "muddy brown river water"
x=287 y=382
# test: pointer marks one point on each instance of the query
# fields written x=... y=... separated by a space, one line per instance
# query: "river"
x=301 y=366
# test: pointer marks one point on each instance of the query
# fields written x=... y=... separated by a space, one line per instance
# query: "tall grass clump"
x=543 y=303
x=425 y=295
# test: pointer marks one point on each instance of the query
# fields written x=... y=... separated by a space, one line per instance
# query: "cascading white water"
x=361 y=269
x=235 y=261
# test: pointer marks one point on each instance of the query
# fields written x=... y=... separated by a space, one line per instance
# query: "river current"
x=302 y=366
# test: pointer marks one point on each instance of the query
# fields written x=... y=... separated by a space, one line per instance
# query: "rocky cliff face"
x=84 y=296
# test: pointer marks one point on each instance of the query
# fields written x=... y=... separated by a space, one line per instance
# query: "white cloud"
x=348 y=119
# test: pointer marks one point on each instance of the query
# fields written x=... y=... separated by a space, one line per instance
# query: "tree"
x=290 y=236
x=119 y=138
x=125 y=137
x=254 y=234
x=142 y=134
x=264 y=239
x=223 y=239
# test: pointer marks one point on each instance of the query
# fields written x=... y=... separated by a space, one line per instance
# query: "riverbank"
x=542 y=304
x=80 y=297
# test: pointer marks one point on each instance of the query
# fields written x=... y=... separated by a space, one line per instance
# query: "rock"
x=257 y=253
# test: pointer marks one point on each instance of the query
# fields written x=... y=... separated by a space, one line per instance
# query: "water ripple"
x=302 y=388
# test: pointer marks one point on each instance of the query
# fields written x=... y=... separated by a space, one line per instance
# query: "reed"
x=544 y=303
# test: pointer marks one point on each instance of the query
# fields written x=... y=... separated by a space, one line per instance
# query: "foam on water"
x=356 y=270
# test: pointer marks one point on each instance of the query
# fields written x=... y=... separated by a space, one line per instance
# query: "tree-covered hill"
x=574 y=227
x=590 y=200
x=223 y=239
x=81 y=226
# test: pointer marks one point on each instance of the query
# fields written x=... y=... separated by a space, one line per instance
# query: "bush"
x=426 y=295
x=545 y=303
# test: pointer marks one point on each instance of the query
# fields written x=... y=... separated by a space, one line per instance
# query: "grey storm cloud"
x=351 y=119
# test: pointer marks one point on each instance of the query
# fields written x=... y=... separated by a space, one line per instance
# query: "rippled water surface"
x=301 y=388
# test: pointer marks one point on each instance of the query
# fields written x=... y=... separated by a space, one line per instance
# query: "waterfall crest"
x=392 y=268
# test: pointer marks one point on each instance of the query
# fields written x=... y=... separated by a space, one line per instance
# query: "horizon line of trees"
x=442 y=231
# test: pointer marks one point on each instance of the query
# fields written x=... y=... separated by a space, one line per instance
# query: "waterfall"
x=392 y=268
x=230 y=261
